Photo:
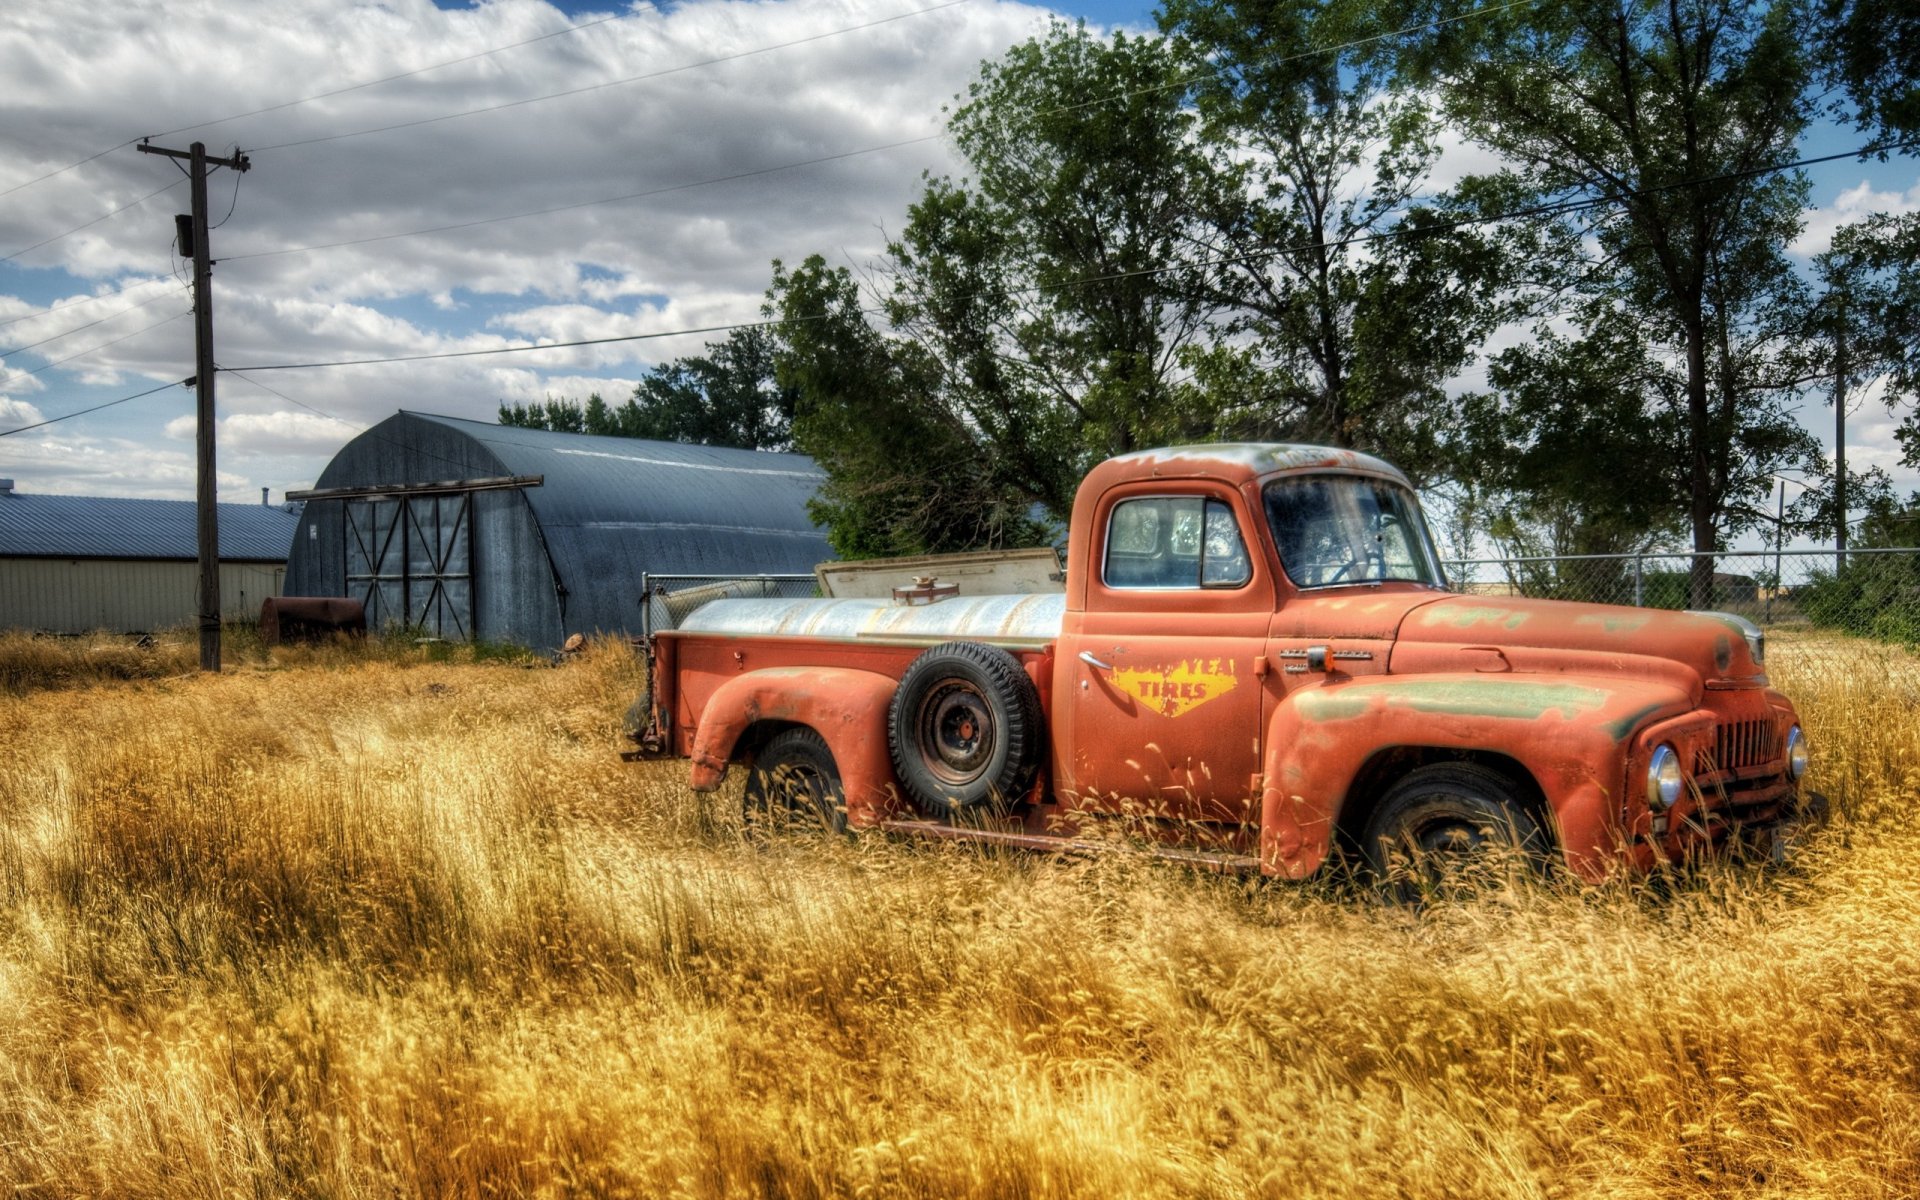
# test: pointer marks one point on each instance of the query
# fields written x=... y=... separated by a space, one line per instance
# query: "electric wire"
x=1185 y=81
x=410 y=448
x=339 y=91
x=132 y=287
x=103 y=345
x=90 y=224
x=1181 y=82
x=560 y=208
x=945 y=4
x=1549 y=208
x=595 y=87
x=96 y=408
x=89 y=325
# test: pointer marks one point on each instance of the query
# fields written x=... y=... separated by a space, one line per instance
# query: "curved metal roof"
x=39 y=526
x=612 y=508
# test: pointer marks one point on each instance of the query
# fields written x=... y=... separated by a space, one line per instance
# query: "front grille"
x=1737 y=745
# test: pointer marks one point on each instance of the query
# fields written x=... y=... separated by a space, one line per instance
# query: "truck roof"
x=1243 y=460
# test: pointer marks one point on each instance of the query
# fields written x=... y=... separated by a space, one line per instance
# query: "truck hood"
x=1497 y=634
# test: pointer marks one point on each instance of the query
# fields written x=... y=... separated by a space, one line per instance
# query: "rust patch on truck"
x=1510 y=699
x=1467 y=618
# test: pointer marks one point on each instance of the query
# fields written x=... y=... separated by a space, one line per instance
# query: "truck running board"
x=1199 y=860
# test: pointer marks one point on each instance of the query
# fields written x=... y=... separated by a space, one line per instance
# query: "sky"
x=701 y=142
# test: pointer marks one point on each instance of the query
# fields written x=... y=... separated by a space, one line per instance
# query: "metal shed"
x=70 y=564
x=466 y=529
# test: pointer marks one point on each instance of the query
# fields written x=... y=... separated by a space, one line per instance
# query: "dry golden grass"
x=364 y=925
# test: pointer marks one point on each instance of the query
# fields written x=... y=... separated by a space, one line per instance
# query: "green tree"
x=558 y=415
x=1871 y=48
x=1042 y=284
x=1312 y=155
x=1649 y=120
x=903 y=476
x=726 y=397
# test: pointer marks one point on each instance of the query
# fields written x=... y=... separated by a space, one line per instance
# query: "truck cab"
x=1256 y=657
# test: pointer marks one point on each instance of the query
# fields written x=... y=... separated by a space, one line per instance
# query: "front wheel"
x=794 y=786
x=1452 y=828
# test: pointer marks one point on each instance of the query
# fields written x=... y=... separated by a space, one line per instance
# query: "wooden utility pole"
x=205 y=493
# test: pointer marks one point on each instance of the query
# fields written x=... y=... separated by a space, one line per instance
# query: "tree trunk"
x=1700 y=490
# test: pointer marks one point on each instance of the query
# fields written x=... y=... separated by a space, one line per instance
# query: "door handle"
x=1086 y=656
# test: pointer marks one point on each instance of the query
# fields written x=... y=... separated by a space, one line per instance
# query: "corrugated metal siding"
x=613 y=509
x=124 y=595
x=568 y=556
x=39 y=526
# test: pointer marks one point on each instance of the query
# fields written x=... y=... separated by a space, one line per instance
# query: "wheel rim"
x=1450 y=839
x=1448 y=849
x=794 y=796
x=955 y=733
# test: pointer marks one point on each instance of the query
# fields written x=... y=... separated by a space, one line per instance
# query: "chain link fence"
x=1815 y=605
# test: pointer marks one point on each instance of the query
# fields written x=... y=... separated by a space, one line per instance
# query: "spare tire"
x=965 y=730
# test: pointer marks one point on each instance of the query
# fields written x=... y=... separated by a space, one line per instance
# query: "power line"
x=595 y=87
x=96 y=408
x=409 y=447
x=486 y=109
x=103 y=345
x=132 y=287
x=559 y=208
x=1550 y=208
x=90 y=224
x=89 y=325
x=1176 y=83
x=339 y=91
x=1181 y=82
x=407 y=358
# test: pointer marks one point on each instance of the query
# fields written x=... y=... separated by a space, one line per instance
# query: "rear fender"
x=1570 y=733
x=846 y=707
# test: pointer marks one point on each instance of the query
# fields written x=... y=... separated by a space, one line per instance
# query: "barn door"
x=439 y=565
x=376 y=560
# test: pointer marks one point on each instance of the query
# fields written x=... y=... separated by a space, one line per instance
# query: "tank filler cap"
x=925 y=589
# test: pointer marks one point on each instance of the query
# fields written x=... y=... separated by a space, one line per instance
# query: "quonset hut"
x=467 y=530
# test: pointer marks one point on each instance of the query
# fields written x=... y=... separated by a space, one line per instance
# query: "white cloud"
x=718 y=148
x=15 y=412
x=1854 y=204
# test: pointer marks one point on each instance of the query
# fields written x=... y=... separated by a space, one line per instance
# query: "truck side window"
x=1174 y=542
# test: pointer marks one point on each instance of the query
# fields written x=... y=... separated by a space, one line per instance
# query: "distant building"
x=70 y=564
x=467 y=529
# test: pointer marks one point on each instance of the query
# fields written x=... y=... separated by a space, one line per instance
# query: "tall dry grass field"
x=346 y=926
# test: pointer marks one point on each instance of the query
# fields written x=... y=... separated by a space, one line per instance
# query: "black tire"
x=794 y=786
x=1450 y=829
x=965 y=730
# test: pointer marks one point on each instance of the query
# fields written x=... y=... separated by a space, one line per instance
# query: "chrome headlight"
x=1664 y=780
x=1798 y=757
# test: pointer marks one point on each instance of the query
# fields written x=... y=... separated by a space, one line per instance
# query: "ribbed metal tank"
x=1018 y=619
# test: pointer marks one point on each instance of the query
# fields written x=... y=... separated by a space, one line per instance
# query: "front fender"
x=1570 y=733
x=846 y=707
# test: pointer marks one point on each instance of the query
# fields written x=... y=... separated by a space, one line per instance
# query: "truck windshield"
x=1343 y=529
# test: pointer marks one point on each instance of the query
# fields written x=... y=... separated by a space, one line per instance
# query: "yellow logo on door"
x=1176 y=690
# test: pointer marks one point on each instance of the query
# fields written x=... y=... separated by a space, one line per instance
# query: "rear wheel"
x=1450 y=829
x=794 y=786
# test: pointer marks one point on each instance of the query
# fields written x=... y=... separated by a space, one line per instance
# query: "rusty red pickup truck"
x=1256 y=663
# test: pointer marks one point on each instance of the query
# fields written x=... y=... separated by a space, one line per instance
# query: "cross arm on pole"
x=239 y=162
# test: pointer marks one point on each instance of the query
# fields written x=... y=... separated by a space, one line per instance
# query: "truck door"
x=1163 y=668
